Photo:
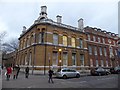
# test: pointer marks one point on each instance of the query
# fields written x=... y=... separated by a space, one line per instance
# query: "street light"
x=60 y=57
x=60 y=64
x=49 y=60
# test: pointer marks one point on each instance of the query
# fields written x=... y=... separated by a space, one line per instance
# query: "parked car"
x=99 y=71
x=115 y=70
x=67 y=73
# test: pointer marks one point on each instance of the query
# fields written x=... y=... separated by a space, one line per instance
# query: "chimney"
x=43 y=13
x=59 y=19
x=24 y=29
x=80 y=24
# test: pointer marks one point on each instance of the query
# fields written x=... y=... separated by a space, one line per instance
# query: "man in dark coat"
x=18 y=70
x=26 y=72
x=50 y=76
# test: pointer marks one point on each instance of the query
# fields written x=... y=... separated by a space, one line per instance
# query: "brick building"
x=102 y=48
x=49 y=43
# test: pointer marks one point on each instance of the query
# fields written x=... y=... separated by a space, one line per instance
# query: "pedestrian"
x=18 y=69
x=9 y=71
x=26 y=72
x=50 y=76
x=14 y=72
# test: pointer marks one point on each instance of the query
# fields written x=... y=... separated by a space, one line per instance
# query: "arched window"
x=55 y=39
x=65 y=40
x=73 y=42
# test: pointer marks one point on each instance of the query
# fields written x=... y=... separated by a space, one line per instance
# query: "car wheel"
x=78 y=75
x=99 y=74
x=64 y=76
x=118 y=72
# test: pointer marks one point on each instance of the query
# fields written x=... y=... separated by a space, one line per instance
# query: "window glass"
x=65 y=40
x=73 y=42
x=65 y=58
x=73 y=58
x=55 y=58
x=81 y=43
x=55 y=39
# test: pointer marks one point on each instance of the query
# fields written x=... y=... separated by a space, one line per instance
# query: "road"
x=41 y=81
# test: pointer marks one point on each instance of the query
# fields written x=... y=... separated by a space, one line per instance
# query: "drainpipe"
x=45 y=50
x=34 y=54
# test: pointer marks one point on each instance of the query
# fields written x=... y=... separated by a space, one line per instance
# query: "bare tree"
x=10 y=46
x=2 y=35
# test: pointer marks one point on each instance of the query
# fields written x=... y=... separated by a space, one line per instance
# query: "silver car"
x=66 y=73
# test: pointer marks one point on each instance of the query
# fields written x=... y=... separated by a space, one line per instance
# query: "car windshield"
x=100 y=69
x=116 y=68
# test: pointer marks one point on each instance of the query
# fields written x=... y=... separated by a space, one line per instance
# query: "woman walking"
x=9 y=71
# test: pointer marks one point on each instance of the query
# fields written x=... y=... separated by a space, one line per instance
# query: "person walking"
x=9 y=71
x=18 y=70
x=50 y=76
x=14 y=72
x=26 y=72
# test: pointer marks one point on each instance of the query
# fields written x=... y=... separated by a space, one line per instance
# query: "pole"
x=49 y=60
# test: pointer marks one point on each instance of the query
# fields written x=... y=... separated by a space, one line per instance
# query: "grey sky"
x=96 y=13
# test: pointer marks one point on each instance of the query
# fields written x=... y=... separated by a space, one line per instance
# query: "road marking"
x=106 y=78
x=83 y=81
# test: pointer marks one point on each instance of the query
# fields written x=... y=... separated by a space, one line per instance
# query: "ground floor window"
x=97 y=63
x=65 y=58
x=73 y=58
x=102 y=63
x=30 y=59
x=106 y=63
x=55 y=58
x=82 y=59
x=91 y=62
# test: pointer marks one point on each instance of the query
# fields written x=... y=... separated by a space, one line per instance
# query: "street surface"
x=41 y=81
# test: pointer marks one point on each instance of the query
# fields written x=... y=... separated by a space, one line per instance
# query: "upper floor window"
x=41 y=37
x=95 y=50
x=90 y=49
x=94 y=38
x=33 y=38
x=81 y=43
x=109 y=41
x=65 y=40
x=28 y=41
x=103 y=40
x=116 y=52
x=98 y=39
x=24 y=43
x=111 y=50
x=105 y=52
x=100 y=49
x=114 y=42
x=89 y=37
x=73 y=42
x=55 y=39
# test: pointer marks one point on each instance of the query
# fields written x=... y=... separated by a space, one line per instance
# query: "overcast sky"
x=14 y=14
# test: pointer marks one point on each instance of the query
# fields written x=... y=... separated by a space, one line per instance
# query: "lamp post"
x=119 y=51
x=49 y=60
x=60 y=57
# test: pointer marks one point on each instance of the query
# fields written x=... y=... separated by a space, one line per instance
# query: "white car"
x=66 y=73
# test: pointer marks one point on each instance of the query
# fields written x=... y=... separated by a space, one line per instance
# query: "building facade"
x=102 y=48
x=52 y=44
